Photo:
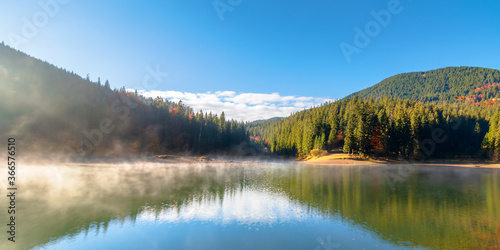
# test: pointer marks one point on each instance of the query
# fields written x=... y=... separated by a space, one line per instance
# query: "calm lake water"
x=259 y=206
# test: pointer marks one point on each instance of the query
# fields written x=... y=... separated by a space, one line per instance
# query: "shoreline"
x=346 y=160
x=336 y=159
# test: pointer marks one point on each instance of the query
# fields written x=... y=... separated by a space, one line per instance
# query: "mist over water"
x=252 y=206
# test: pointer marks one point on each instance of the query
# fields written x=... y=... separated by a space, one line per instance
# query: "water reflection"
x=435 y=207
x=255 y=206
x=246 y=207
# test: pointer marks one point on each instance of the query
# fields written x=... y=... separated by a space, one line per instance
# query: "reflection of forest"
x=445 y=208
x=437 y=208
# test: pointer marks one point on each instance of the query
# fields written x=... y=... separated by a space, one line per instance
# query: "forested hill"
x=50 y=110
x=460 y=103
x=435 y=85
x=253 y=127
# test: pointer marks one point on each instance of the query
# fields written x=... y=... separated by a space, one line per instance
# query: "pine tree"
x=350 y=143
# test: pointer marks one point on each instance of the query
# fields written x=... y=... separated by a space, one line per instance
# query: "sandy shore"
x=345 y=159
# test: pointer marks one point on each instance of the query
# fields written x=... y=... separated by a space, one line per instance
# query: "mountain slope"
x=435 y=85
x=50 y=110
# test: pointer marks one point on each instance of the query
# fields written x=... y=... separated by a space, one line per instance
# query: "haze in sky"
x=253 y=59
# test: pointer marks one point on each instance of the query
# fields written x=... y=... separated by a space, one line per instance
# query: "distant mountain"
x=435 y=85
x=256 y=126
x=268 y=120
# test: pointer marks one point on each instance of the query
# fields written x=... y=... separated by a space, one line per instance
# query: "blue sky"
x=289 y=48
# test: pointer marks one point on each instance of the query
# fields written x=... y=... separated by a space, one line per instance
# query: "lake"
x=255 y=206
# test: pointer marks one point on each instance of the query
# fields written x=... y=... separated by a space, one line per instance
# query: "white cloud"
x=242 y=106
x=248 y=207
x=225 y=93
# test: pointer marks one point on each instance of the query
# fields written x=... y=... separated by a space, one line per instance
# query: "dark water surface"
x=260 y=206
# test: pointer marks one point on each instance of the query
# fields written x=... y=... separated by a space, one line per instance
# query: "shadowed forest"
x=52 y=110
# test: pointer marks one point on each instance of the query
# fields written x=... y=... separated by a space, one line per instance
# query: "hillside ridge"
x=444 y=84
